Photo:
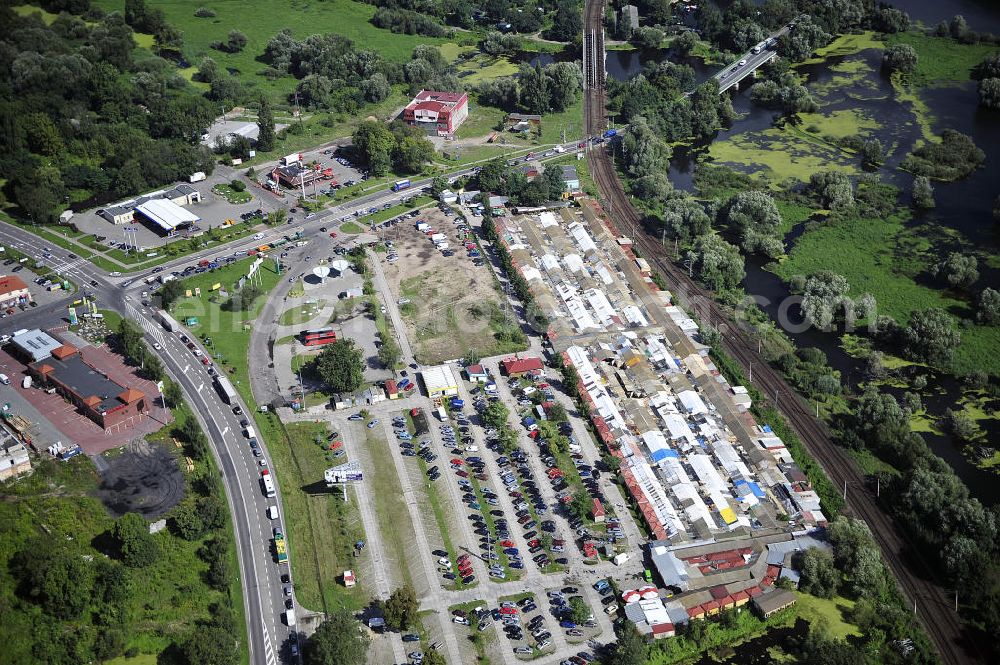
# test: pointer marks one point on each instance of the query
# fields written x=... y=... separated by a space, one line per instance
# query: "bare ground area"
x=454 y=306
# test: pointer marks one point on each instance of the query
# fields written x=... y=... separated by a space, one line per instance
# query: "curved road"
x=932 y=603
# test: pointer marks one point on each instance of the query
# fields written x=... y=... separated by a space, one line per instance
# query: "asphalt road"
x=733 y=73
x=260 y=576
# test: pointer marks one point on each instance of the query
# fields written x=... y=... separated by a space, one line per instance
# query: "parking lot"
x=38 y=286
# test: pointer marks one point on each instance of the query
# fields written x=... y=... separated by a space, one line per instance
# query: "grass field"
x=321 y=527
x=941 y=60
x=833 y=612
x=261 y=20
x=301 y=313
x=229 y=331
x=390 y=507
x=59 y=500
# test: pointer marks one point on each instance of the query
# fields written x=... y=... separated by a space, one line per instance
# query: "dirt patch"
x=144 y=479
x=454 y=306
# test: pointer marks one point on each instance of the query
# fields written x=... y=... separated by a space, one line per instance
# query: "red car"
x=534 y=542
x=204 y=360
x=508 y=543
x=457 y=461
x=509 y=611
x=333 y=234
x=462 y=474
x=463 y=558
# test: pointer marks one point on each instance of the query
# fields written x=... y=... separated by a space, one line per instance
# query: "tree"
x=958 y=270
x=56 y=578
x=578 y=610
x=872 y=152
x=891 y=20
x=643 y=152
x=337 y=641
x=717 y=263
x=340 y=366
x=564 y=81
x=388 y=353
x=581 y=505
x=819 y=575
x=376 y=88
x=266 y=136
x=187 y=521
x=989 y=93
x=757 y=220
x=135 y=544
x=39 y=192
x=277 y=217
x=210 y=644
x=566 y=22
x=685 y=43
x=988 y=307
x=495 y=415
x=647 y=37
x=433 y=656
x=375 y=143
x=880 y=411
x=169 y=293
x=930 y=336
x=553 y=183
x=631 y=648
x=900 y=58
x=173 y=394
x=236 y=42
x=401 y=608
x=685 y=219
x=834 y=189
x=438 y=184
x=825 y=292
x=922 y=193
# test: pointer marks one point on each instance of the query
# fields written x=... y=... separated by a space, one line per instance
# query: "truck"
x=400 y=185
x=197 y=176
x=611 y=132
x=442 y=414
x=168 y=321
x=268 y=483
x=290 y=617
x=294 y=158
x=225 y=388
x=279 y=546
x=443 y=245
x=166 y=278
x=438 y=237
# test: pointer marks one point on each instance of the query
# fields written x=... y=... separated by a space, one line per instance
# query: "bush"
x=238 y=185
x=204 y=12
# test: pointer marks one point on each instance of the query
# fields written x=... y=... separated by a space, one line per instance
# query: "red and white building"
x=437 y=113
x=13 y=290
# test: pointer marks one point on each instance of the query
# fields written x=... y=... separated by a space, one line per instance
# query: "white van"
x=258 y=236
x=4 y=379
x=248 y=433
x=272 y=512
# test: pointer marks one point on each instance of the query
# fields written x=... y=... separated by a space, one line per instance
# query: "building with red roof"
x=391 y=390
x=12 y=291
x=597 y=511
x=91 y=390
x=521 y=366
x=437 y=113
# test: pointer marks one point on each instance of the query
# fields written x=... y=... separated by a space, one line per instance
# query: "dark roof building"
x=100 y=398
x=772 y=602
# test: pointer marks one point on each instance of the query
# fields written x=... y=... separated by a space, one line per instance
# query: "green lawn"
x=833 y=612
x=229 y=331
x=322 y=528
x=941 y=60
x=301 y=313
x=351 y=227
x=390 y=508
x=261 y=20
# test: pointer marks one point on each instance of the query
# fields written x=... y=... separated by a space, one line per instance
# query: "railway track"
x=932 y=603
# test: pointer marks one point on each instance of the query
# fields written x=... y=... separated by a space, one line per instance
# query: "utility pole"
x=845 y=490
x=298 y=111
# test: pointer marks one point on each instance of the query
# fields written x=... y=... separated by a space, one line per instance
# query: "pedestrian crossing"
x=269 y=655
x=151 y=328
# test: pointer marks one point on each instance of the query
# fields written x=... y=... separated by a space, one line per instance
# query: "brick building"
x=437 y=113
x=95 y=394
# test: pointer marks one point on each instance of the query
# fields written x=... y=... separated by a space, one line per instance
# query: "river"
x=964 y=206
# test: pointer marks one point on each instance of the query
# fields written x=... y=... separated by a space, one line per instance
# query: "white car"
x=156 y=345
x=743 y=62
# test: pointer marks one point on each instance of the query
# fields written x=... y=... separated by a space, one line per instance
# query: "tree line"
x=85 y=121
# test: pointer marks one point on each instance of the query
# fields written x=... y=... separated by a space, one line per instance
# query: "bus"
x=400 y=185
x=318 y=337
x=268 y=482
